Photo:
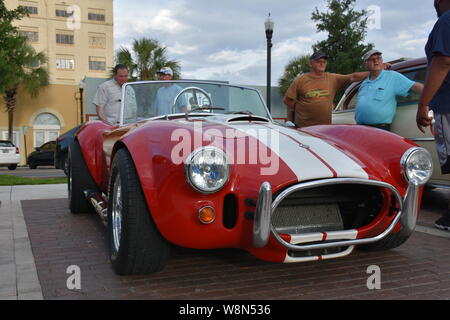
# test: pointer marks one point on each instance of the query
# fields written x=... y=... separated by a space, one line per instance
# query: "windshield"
x=143 y=100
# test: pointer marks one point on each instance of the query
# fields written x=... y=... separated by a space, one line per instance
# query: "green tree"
x=20 y=65
x=145 y=59
x=296 y=66
x=9 y=40
x=27 y=71
x=346 y=29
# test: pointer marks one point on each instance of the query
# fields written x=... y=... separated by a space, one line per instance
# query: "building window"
x=96 y=16
x=65 y=38
x=30 y=9
x=65 y=63
x=97 y=40
x=33 y=36
x=63 y=13
x=97 y=64
x=46 y=128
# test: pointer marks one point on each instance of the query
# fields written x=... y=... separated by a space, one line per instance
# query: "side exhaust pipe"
x=99 y=203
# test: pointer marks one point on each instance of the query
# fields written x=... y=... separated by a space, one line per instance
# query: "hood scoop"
x=247 y=118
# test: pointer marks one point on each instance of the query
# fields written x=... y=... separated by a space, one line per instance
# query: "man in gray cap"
x=376 y=102
x=166 y=95
x=311 y=95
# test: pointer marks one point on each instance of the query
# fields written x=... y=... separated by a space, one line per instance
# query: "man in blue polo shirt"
x=436 y=94
x=166 y=95
x=376 y=103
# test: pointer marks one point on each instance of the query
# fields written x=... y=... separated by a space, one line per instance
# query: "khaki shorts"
x=442 y=136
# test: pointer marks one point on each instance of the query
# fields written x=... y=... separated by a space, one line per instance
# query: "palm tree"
x=25 y=70
x=146 y=58
x=297 y=66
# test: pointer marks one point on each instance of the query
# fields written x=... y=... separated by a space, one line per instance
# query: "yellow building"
x=77 y=38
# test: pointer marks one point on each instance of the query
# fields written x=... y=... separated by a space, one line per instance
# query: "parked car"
x=405 y=120
x=215 y=171
x=42 y=156
x=62 y=148
x=9 y=155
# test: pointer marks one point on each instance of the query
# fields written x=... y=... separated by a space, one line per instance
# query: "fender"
x=374 y=149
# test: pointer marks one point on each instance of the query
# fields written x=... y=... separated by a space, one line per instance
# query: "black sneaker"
x=443 y=223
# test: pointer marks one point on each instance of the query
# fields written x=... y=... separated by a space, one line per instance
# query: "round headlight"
x=207 y=169
x=417 y=165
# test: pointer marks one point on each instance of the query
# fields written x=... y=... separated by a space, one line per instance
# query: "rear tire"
x=136 y=246
x=79 y=179
x=12 y=167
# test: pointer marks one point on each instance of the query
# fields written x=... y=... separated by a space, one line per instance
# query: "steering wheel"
x=199 y=96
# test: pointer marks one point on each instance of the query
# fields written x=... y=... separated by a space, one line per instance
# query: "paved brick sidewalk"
x=420 y=269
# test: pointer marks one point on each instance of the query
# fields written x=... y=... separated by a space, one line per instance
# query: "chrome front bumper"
x=262 y=228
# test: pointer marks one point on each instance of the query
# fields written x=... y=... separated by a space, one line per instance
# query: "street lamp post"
x=268 y=24
x=81 y=87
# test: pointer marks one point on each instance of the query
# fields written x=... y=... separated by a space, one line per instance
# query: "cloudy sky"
x=225 y=39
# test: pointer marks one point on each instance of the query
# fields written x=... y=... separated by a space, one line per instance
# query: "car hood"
x=307 y=156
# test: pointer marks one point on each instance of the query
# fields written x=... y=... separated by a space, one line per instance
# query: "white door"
x=46 y=128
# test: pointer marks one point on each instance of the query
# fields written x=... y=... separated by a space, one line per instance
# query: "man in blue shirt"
x=436 y=94
x=376 y=103
x=166 y=95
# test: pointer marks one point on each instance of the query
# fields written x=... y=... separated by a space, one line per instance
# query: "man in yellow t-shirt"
x=311 y=95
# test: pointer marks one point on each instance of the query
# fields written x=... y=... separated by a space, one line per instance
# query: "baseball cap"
x=319 y=55
x=371 y=53
x=166 y=70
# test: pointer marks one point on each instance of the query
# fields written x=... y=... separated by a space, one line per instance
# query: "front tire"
x=391 y=241
x=79 y=180
x=136 y=246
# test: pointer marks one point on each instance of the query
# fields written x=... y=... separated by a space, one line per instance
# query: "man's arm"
x=100 y=113
x=290 y=103
x=437 y=72
x=359 y=76
x=417 y=87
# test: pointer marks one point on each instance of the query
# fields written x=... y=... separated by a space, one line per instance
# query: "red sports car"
x=203 y=165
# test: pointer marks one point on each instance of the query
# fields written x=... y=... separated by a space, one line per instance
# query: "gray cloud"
x=225 y=40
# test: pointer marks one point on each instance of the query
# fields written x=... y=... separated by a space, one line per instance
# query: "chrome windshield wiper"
x=205 y=108
x=248 y=113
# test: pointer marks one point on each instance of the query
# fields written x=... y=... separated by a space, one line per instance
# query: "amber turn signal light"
x=206 y=215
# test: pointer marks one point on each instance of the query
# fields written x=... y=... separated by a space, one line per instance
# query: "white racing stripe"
x=344 y=166
x=303 y=163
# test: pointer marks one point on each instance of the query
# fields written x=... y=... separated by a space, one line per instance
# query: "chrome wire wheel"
x=116 y=214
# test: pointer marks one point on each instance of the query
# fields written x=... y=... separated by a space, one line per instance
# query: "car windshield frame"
x=190 y=83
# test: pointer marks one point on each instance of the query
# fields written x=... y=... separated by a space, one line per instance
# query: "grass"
x=7 y=180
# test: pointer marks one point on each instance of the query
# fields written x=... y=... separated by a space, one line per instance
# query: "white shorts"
x=442 y=136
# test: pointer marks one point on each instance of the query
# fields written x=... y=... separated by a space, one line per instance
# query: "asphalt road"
x=40 y=172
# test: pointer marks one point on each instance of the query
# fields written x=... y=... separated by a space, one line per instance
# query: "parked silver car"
x=405 y=120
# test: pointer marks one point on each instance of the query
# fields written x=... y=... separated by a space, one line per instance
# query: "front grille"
x=328 y=208
x=307 y=219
